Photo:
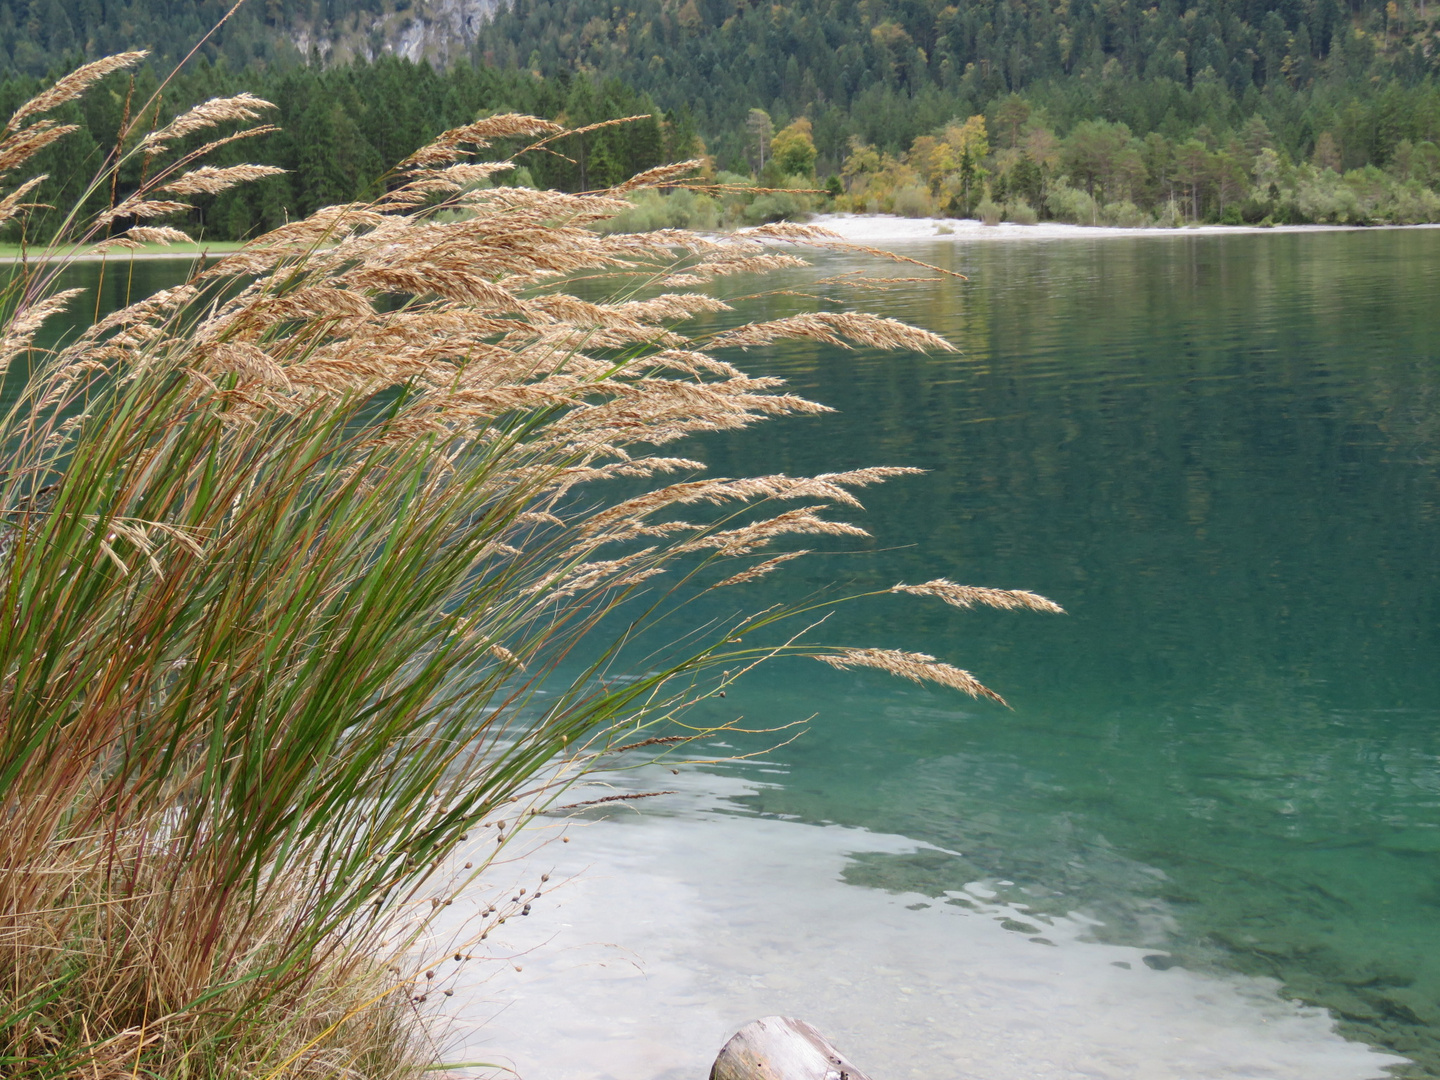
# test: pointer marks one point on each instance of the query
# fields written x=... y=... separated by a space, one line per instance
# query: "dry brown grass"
x=289 y=551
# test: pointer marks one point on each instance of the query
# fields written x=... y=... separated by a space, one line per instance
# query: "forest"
x=339 y=131
x=40 y=37
x=1117 y=112
x=1121 y=113
x=891 y=70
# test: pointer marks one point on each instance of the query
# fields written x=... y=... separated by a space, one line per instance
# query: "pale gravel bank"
x=878 y=230
x=114 y=257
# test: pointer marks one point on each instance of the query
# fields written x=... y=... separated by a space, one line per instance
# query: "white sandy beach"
x=872 y=230
x=879 y=230
x=117 y=257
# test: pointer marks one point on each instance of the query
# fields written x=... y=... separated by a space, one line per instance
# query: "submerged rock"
x=781 y=1048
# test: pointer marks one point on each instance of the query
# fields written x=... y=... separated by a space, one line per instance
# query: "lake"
x=1205 y=840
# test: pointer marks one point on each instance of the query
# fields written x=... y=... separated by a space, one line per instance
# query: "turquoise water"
x=1222 y=456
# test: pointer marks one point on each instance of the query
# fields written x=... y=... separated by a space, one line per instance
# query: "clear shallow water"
x=1222 y=455
x=658 y=935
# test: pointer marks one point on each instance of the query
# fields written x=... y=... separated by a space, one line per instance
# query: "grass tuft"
x=287 y=554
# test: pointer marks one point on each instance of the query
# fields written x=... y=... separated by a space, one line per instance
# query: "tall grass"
x=290 y=549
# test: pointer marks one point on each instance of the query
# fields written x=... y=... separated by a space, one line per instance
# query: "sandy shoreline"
x=879 y=229
x=876 y=230
x=114 y=257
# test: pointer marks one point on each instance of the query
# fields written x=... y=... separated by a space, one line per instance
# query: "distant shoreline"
x=875 y=230
x=120 y=255
x=879 y=229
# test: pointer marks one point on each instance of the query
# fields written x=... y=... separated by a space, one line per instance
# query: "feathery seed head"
x=917 y=667
x=970 y=595
x=73 y=85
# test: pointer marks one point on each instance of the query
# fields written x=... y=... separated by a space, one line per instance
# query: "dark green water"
x=1222 y=456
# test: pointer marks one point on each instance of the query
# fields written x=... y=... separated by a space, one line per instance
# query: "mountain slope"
x=899 y=67
x=39 y=36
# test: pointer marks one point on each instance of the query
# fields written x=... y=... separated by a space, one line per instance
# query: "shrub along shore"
x=1100 y=174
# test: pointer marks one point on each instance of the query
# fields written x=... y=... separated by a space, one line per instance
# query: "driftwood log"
x=779 y=1048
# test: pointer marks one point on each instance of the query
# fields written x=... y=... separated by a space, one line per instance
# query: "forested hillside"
x=1093 y=111
x=890 y=70
x=340 y=130
x=36 y=36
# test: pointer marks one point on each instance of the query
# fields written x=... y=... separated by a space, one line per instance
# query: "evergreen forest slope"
x=891 y=70
x=1127 y=112
x=39 y=36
